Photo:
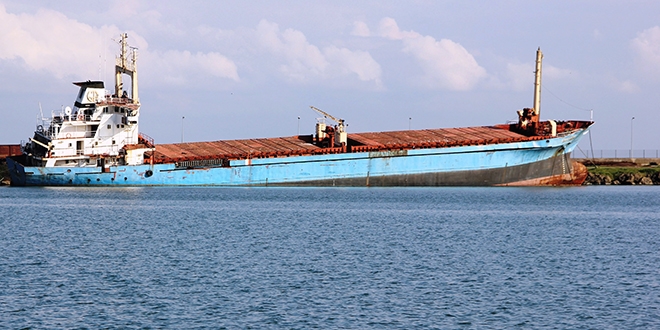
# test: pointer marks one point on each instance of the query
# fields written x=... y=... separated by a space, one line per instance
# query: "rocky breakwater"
x=625 y=178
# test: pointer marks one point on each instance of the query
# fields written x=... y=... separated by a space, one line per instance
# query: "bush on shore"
x=623 y=176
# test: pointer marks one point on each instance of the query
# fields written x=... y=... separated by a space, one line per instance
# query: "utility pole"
x=631 y=137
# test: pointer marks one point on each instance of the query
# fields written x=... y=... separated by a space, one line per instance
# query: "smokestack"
x=537 y=83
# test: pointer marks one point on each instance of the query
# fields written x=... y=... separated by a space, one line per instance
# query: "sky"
x=215 y=70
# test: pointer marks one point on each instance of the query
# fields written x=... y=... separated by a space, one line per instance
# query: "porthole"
x=148 y=173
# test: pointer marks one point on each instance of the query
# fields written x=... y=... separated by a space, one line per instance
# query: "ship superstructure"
x=101 y=129
x=97 y=142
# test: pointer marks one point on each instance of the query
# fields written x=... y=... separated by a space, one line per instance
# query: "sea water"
x=358 y=258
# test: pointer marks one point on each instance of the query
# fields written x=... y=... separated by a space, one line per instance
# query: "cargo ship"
x=97 y=143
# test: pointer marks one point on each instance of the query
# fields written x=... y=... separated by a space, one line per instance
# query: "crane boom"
x=338 y=121
x=341 y=127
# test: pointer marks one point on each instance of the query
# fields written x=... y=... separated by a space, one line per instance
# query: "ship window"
x=69 y=144
x=116 y=110
x=113 y=141
x=105 y=110
x=122 y=110
x=122 y=126
x=109 y=126
x=117 y=125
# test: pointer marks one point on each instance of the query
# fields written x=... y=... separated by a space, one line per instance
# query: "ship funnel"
x=537 y=83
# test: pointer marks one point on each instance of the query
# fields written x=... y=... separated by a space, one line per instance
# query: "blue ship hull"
x=520 y=163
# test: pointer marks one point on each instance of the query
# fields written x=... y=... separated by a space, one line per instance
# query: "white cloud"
x=360 y=29
x=358 y=62
x=51 y=42
x=305 y=61
x=447 y=64
x=303 y=57
x=521 y=75
x=388 y=28
x=647 y=47
x=182 y=67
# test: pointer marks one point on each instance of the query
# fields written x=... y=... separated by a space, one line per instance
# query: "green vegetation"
x=618 y=175
x=614 y=172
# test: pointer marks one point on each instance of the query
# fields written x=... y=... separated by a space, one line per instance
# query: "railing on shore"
x=616 y=153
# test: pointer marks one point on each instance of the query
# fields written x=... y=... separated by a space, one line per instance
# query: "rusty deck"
x=357 y=142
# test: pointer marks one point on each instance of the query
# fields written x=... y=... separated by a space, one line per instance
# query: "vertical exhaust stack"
x=528 y=118
x=537 y=83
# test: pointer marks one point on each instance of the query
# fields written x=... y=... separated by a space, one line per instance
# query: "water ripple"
x=330 y=258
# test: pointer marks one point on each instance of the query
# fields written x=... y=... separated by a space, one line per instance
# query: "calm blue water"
x=305 y=258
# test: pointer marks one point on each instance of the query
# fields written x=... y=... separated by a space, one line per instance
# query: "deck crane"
x=321 y=129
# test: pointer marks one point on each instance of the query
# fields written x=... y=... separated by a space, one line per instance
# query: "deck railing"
x=146 y=139
x=616 y=153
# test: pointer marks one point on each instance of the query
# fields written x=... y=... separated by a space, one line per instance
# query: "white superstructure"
x=102 y=127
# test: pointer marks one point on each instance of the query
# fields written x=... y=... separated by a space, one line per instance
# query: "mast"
x=537 y=83
x=124 y=67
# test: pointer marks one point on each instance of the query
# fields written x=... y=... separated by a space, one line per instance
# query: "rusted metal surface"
x=357 y=142
x=576 y=177
x=7 y=150
x=549 y=175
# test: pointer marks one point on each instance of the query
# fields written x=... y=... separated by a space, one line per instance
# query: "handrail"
x=616 y=153
x=146 y=140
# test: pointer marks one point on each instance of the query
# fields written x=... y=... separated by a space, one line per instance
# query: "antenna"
x=105 y=59
x=99 y=66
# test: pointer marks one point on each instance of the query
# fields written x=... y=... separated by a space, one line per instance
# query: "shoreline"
x=622 y=171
